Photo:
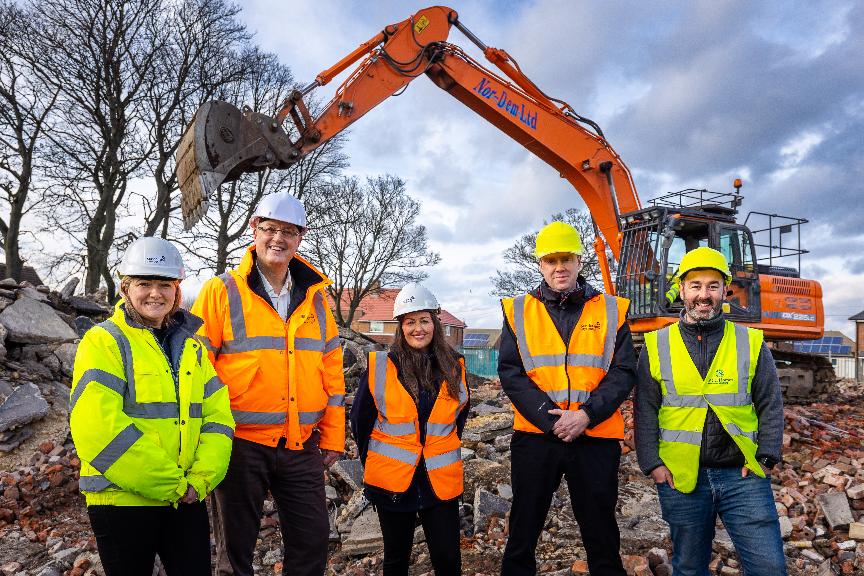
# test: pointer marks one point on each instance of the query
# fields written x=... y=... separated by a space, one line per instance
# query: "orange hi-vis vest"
x=395 y=447
x=284 y=376
x=567 y=373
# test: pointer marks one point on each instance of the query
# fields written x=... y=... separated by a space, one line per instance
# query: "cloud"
x=690 y=94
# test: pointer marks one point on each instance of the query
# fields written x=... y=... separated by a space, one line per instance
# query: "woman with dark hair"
x=407 y=418
x=151 y=421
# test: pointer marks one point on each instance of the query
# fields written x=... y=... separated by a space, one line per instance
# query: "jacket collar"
x=303 y=274
x=716 y=324
x=181 y=319
x=582 y=293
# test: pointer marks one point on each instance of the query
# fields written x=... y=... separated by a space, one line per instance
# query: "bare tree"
x=203 y=51
x=26 y=100
x=367 y=239
x=218 y=240
x=101 y=55
x=524 y=274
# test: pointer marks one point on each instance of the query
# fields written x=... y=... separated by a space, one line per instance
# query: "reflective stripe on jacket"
x=567 y=373
x=687 y=397
x=284 y=376
x=395 y=447
x=142 y=432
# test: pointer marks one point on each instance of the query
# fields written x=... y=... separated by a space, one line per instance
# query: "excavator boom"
x=222 y=143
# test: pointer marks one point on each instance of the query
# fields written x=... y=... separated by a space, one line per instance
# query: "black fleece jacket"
x=718 y=449
x=530 y=400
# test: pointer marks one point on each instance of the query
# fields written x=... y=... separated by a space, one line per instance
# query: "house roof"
x=378 y=306
x=858 y=317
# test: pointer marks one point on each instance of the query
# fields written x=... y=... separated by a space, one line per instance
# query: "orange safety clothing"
x=567 y=373
x=395 y=447
x=284 y=376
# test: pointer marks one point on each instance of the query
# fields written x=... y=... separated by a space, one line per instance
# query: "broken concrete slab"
x=32 y=322
x=350 y=472
x=33 y=294
x=23 y=406
x=785 y=527
x=856 y=530
x=487 y=505
x=836 y=509
x=488 y=426
x=87 y=306
x=365 y=536
x=65 y=353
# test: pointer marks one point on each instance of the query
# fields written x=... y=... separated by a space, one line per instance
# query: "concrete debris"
x=487 y=506
x=44 y=529
x=836 y=509
x=25 y=405
x=32 y=322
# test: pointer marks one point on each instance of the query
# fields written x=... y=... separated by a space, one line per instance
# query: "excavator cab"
x=655 y=239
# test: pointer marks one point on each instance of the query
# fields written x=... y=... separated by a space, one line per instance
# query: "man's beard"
x=696 y=315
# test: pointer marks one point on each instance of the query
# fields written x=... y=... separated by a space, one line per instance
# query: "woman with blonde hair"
x=151 y=422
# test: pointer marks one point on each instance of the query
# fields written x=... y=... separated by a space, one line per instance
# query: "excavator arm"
x=223 y=143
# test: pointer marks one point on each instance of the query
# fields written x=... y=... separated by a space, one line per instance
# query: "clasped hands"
x=570 y=423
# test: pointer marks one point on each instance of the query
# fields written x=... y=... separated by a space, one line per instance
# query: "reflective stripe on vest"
x=395 y=448
x=567 y=368
x=132 y=408
x=532 y=361
x=687 y=396
x=243 y=343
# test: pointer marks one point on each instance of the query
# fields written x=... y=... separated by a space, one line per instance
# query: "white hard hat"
x=149 y=256
x=412 y=298
x=281 y=206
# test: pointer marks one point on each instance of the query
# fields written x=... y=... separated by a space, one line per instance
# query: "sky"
x=690 y=94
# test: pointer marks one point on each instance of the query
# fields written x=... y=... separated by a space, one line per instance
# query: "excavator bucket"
x=220 y=145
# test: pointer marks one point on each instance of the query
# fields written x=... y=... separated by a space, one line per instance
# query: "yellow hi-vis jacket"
x=687 y=397
x=568 y=373
x=395 y=447
x=284 y=377
x=144 y=433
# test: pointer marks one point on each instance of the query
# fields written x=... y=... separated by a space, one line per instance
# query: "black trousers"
x=441 y=527
x=295 y=478
x=130 y=537
x=590 y=466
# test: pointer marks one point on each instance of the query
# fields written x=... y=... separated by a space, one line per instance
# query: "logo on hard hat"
x=155 y=259
x=409 y=299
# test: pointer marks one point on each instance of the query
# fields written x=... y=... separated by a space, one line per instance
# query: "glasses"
x=269 y=231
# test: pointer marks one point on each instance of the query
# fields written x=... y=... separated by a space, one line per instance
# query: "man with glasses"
x=274 y=343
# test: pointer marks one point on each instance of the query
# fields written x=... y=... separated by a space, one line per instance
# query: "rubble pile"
x=37 y=345
x=819 y=489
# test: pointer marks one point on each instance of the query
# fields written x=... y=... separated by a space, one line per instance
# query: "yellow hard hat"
x=558 y=237
x=703 y=257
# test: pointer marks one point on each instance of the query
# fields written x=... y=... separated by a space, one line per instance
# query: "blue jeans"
x=746 y=507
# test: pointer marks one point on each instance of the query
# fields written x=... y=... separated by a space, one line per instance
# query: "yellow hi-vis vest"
x=567 y=373
x=143 y=433
x=394 y=446
x=687 y=397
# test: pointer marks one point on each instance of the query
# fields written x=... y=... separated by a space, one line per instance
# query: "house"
x=374 y=318
x=482 y=338
x=837 y=347
x=859 y=344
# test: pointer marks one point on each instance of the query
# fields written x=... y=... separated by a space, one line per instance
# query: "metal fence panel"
x=481 y=361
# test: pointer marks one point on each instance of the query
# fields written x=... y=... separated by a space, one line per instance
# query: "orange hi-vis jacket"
x=395 y=447
x=284 y=377
x=567 y=373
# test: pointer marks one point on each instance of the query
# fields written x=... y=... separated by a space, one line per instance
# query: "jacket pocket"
x=152 y=386
x=238 y=375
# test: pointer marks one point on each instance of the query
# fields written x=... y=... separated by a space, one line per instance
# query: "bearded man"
x=709 y=425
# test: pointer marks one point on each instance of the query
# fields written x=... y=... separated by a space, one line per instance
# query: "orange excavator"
x=223 y=142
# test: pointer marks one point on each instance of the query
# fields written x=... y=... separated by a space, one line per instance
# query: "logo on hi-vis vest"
x=590 y=326
x=311 y=319
x=717 y=379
